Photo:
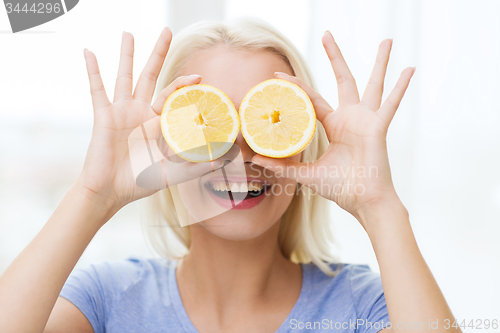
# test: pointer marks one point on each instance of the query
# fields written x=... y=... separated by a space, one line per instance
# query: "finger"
x=124 y=81
x=147 y=80
x=283 y=167
x=372 y=96
x=151 y=168
x=164 y=174
x=179 y=82
x=348 y=92
x=99 y=97
x=321 y=107
x=391 y=104
x=190 y=170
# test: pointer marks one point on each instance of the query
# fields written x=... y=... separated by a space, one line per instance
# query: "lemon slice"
x=277 y=118
x=199 y=122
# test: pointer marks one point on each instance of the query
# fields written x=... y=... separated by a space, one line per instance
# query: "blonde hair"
x=305 y=233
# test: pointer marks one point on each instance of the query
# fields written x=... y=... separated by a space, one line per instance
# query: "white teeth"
x=237 y=187
x=254 y=186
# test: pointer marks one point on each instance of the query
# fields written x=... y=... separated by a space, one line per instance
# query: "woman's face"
x=235 y=72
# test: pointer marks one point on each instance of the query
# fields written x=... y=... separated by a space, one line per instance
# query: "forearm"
x=411 y=292
x=31 y=284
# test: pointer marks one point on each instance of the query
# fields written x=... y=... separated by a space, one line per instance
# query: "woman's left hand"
x=354 y=171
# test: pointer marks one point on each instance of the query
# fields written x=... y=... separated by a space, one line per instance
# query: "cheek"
x=296 y=158
x=284 y=190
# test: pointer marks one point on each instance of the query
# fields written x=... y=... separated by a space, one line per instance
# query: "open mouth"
x=238 y=191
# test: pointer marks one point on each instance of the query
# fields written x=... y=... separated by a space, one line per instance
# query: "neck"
x=223 y=274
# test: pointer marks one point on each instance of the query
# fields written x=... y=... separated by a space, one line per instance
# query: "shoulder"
x=353 y=277
x=354 y=285
x=104 y=283
x=120 y=275
x=100 y=289
x=131 y=268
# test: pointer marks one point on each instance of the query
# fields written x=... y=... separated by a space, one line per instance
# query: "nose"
x=246 y=151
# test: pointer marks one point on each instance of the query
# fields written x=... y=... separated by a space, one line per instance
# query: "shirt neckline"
x=188 y=325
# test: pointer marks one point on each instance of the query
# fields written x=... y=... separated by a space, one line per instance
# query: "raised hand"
x=107 y=171
x=354 y=172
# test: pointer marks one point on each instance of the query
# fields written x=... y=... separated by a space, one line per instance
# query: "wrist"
x=378 y=214
x=102 y=205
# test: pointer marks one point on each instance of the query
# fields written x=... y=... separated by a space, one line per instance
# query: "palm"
x=124 y=181
x=108 y=159
x=354 y=171
x=351 y=181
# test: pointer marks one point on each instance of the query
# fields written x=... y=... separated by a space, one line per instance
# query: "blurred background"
x=444 y=142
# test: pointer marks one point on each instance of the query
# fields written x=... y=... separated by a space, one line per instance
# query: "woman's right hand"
x=107 y=174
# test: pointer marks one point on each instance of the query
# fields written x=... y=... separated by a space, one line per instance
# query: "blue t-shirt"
x=141 y=295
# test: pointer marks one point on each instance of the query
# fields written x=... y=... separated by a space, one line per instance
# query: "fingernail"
x=194 y=75
x=255 y=161
x=85 y=52
x=280 y=73
x=327 y=31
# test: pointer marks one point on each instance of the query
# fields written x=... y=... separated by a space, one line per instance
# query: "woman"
x=265 y=268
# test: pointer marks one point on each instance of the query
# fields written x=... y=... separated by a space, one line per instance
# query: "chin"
x=237 y=204
x=236 y=226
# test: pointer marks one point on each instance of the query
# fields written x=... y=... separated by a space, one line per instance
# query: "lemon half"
x=199 y=122
x=277 y=118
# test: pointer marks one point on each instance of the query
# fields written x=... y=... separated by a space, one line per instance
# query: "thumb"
x=183 y=172
x=198 y=169
x=284 y=167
